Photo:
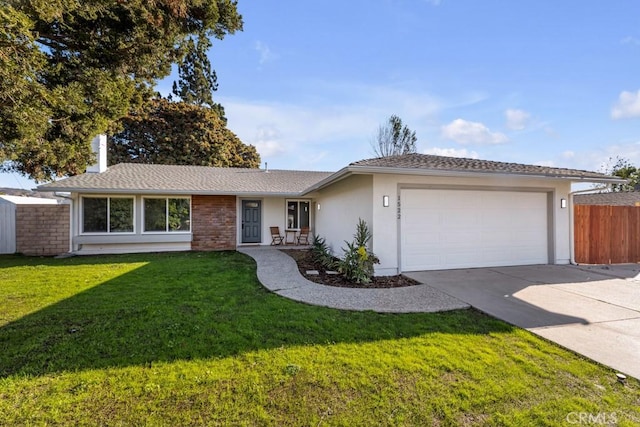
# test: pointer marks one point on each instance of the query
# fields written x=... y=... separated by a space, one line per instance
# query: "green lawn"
x=194 y=339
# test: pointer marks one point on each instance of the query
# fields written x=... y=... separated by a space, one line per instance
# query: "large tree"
x=394 y=139
x=72 y=69
x=179 y=133
x=624 y=169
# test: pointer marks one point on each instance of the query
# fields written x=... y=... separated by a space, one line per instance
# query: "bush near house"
x=357 y=264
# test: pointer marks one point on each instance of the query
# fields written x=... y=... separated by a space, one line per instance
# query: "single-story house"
x=618 y=198
x=425 y=211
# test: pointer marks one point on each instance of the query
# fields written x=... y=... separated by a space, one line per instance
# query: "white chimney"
x=99 y=147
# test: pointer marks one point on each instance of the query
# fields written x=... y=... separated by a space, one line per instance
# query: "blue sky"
x=541 y=82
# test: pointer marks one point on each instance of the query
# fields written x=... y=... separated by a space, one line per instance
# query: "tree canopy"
x=70 y=70
x=624 y=169
x=179 y=133
x=394 y=139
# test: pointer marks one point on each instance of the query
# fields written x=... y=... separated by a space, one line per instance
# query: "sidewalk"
x=279 y=273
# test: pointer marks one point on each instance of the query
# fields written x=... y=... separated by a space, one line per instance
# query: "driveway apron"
x=594 y=311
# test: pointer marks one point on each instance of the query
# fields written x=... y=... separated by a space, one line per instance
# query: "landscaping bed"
x=304 y=259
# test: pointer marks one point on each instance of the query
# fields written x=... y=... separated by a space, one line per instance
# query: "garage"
x=446 y=229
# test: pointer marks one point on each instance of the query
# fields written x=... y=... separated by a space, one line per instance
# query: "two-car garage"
x=455 y=228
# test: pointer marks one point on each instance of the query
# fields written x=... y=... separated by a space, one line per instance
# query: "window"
x=107 y=215
x=297 y=214
x=167 y=215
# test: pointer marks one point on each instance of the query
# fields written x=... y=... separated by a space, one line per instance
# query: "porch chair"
x=303 y=238
x=276 y=237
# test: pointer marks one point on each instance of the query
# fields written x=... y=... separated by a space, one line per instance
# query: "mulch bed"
x=305 y=263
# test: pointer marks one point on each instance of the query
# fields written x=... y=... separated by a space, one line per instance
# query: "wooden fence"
x=606 y=234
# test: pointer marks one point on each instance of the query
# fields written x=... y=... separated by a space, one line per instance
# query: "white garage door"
x=444 y=229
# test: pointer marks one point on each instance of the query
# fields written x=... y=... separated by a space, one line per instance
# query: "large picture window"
x=297 y=214
x=167 y=215
x=107 y=215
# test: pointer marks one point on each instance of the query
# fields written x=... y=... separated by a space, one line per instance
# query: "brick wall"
x=213 y=222
x=42 y=229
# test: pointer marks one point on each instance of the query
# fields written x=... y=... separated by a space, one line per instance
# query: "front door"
x=251 y=221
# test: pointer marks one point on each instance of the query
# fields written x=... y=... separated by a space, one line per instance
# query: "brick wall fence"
x=213 y=222
x=42 y=229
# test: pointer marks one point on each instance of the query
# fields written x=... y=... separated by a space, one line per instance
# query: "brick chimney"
x=99 y=147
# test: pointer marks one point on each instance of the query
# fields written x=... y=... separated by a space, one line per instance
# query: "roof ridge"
x=129 y=164
x=438 y=162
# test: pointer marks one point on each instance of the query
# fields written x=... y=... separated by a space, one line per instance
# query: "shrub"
x=321 y=254
x=358 y=261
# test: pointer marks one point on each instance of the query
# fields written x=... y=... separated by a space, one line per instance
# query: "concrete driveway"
x=594 y=310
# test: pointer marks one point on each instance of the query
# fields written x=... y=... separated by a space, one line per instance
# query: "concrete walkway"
x=279 y=273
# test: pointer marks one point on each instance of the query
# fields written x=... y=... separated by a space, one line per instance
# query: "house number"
x=398 y=207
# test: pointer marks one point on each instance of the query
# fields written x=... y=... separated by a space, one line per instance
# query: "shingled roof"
x=143 y=178
x=456 y=164
x=631 y=198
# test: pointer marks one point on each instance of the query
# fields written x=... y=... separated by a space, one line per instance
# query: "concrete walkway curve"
x=279 y=273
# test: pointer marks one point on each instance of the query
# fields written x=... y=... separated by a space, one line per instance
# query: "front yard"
x=194 y=339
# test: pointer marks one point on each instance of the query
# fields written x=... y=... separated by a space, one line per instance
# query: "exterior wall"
x=386 y=224
x=339 y=207
x=213 y=222
x=274 y=213
x=137 y=241
x=7 y=228
x=42 y=229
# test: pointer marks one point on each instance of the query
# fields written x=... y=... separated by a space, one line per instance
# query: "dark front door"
x=251 y=221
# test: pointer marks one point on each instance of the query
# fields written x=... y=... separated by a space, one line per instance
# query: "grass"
x=193 y=339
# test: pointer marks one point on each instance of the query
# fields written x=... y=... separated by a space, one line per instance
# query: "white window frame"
x=98 y=196
x=166 y=207
x=286 y=212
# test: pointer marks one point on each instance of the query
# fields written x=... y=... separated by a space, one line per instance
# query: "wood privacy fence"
x=606 y=234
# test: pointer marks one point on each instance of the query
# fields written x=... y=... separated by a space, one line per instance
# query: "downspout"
x=572 y=247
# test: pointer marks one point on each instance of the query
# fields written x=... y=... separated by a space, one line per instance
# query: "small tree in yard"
x=358 y=261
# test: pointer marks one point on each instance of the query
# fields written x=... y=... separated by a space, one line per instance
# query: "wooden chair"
x=303 y=238
x=276 y=237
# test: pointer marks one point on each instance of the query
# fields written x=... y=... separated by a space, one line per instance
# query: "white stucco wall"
x=274 y=213
x=386 y=223
x=340 y=207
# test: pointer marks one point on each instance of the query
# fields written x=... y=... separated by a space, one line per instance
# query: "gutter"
x=168 y=192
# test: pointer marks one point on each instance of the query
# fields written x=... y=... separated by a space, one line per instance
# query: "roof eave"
x=458 y=173
x=334 y=177
x=146 y=191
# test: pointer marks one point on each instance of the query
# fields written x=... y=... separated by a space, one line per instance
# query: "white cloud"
x=291 y=136
x=630 y=40
x=628 y=106
x=466 y=132
x=452 y=152
x=517 y=119
x=321 y=133
x=598 y=159
x=265 y=53
x=267 y=141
